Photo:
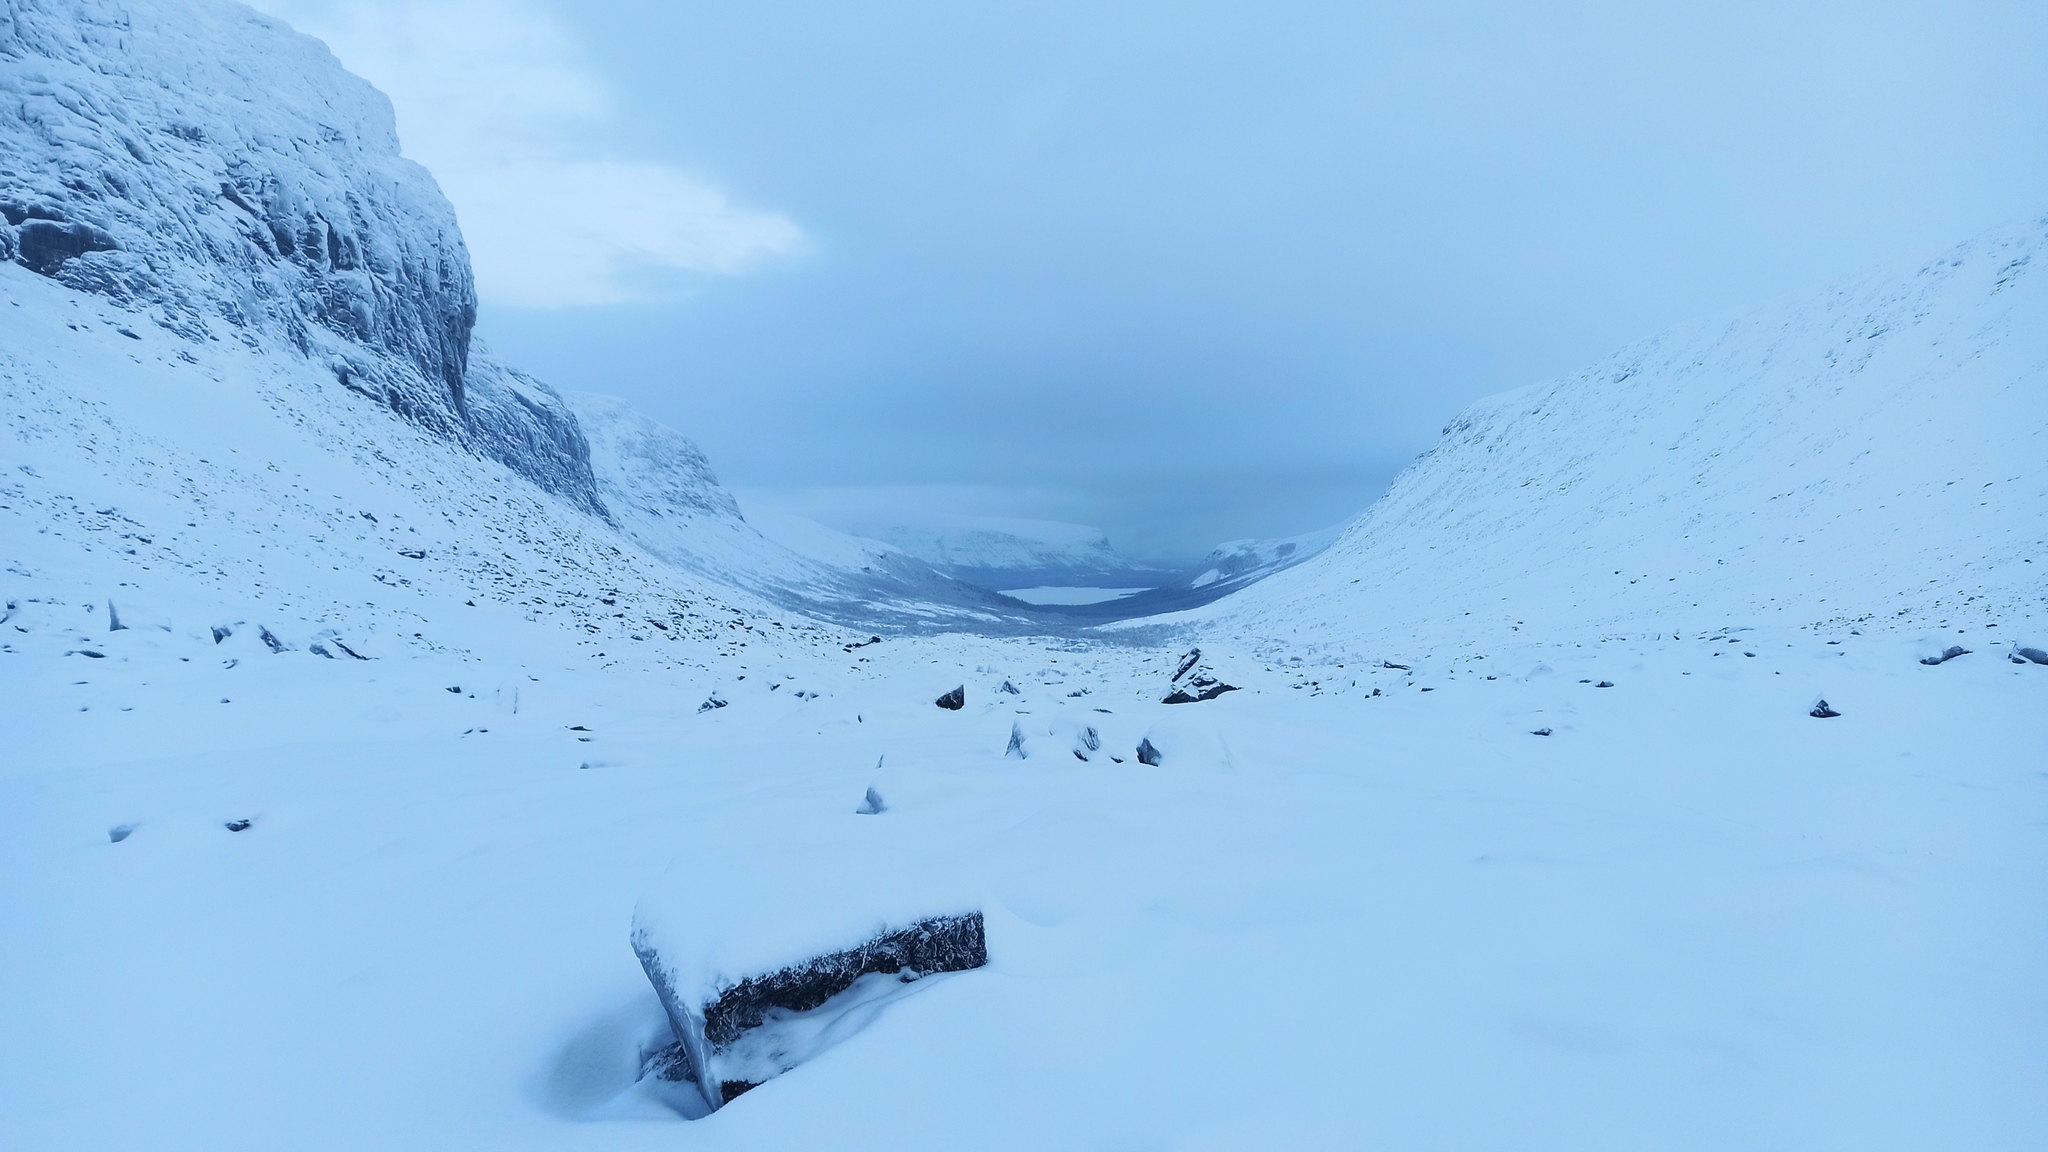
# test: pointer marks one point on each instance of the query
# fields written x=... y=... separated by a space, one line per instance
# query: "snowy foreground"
x=1691 y=917
x=1658 y=766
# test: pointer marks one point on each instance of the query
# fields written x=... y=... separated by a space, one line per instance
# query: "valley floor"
x=1690 y=917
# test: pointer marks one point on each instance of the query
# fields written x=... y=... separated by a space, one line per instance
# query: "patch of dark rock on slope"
x=953 y=701
x=712 y=1038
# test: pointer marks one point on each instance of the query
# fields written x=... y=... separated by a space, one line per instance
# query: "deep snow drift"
x=342 y=748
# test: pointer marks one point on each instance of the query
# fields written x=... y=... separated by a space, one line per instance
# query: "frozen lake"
x=1056 y=595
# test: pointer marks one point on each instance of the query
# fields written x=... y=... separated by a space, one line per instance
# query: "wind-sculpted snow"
x=209 y=167
x=1878 y=456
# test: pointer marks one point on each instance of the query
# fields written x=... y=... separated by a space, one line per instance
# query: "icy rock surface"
x=210 y=167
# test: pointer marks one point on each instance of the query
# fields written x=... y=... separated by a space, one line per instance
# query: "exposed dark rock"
x=1604 y=684
x=1015 y=750
x=1821 y=711
x=939 y=944
x=269 y=641
x=2034 y=654
x=707 y=1032
x=1947 y=654
x=222 y=632
x=711 y=702
x=1010 y=689
x=1391 y=664
x=1193 y=682
x=955 y=700
x=238 y=825
x=43 y=246
x=1540 y=732
x=413 y=553
x=1147 y=754
x=120 y=832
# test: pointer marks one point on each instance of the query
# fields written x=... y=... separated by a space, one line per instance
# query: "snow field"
x=1692 y=917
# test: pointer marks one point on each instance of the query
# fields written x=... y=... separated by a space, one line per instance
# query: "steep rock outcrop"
x=210 y=167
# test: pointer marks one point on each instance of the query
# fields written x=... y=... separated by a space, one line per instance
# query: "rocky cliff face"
x=223 y=173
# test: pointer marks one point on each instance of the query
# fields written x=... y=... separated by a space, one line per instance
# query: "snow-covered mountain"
x=661 y=492
x=1005 y=552
x=398 y=759
x=217 y=180
x=1877 y=456
x=209 y=170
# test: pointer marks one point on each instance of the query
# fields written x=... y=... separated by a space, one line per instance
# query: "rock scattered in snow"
x=955 y=700
x=1194 y=681
x=2034 y=654
x=1147 y=754
x=871 y=805
x=1821 y=711
x=1946 y=655
x=1016 y=750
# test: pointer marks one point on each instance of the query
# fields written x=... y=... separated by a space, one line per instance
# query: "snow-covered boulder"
x=1185 y=740
x=756 y=977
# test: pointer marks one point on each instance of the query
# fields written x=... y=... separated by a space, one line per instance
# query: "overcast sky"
x=1184 y=271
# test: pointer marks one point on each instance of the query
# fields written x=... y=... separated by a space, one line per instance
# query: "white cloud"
x=492 y=97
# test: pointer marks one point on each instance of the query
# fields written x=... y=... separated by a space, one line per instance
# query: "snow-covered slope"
x=1239 y=562
x=1878 y=455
